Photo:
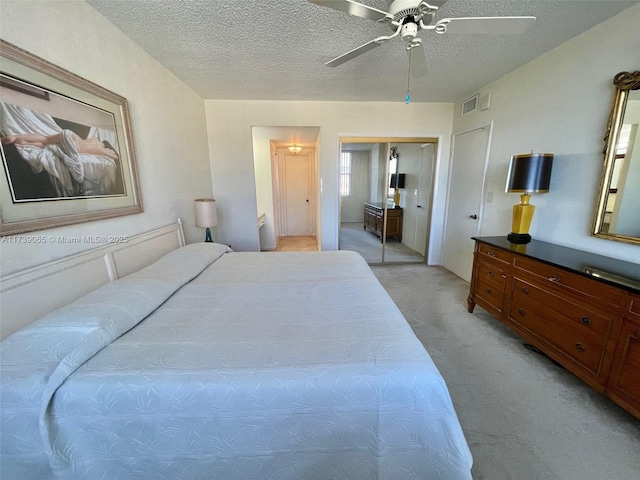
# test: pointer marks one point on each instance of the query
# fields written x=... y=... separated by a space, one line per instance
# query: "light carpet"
x=524 y=417
x=353 y=237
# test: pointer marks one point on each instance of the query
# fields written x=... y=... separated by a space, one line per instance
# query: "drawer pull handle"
x=491 y=254
x=489 y=291
x=491 y=274
x=520 y=311
x=586 y=320
x=525 y=291
x=580 y=347
x=555 y=278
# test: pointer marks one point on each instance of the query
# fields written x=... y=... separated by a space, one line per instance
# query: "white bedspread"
x=264 y=366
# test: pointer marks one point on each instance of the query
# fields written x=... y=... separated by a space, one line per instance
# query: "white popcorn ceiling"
x=276 y=49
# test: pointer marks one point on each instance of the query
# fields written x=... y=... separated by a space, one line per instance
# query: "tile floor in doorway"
x=305 y=243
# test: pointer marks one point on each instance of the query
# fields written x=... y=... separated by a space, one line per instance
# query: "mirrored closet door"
x=385 y=189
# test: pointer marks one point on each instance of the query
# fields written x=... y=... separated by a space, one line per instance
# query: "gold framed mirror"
x=618 y=212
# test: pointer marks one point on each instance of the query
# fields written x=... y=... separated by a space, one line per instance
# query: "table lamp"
x=528 y=173
x=397 y=182
x=206 y=215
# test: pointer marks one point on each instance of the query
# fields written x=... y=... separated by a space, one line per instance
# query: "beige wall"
x=167 y=117
x=229 y=125
x=559 y=103
x=352 y=205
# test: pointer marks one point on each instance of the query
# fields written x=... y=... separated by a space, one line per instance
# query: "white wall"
x=262 y=148
x=559 y=103
x=229 y=125
x=167 y=117
x=361 y=186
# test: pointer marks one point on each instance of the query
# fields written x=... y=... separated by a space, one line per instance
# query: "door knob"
x=475 y=217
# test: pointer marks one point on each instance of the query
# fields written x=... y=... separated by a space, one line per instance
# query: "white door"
x=297 y=194
x=464 y=204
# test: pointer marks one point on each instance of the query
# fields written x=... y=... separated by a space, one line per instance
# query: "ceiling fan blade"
x=485 y=25
x=362 y=49
x=356 y=52
x=417 y=61
x=355 y=8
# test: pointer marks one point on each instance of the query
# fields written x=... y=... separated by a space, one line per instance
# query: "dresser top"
x=381 y=205
x=615 y=272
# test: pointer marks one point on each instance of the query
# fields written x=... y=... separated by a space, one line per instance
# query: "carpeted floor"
x=354 y=238
x=524 y=417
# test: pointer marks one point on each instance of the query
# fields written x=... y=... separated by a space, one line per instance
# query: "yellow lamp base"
x=521 y=220
x=396 y=198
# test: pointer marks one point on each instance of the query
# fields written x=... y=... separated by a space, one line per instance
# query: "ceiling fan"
x=407 y=17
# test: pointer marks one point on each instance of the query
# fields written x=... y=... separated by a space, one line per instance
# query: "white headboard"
x=27 y=295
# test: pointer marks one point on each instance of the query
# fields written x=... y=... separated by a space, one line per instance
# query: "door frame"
x=484 y=178
x=389 y=140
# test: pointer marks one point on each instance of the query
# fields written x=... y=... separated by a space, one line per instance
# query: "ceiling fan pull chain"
x=407 y=97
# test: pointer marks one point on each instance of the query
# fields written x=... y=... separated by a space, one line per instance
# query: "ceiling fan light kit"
x=408 y=17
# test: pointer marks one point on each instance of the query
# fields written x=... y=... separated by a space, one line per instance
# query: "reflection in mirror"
x=386 y=198
x=618 y=214
x=408 y=222
x=362 y=190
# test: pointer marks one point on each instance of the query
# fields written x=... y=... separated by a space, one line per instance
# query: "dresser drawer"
x=488 y=295
x=598 y=293
x=492 y=275
x=495 y=253
x=624 y=380
x=562 y=324
x=582 y=315
x=634 y=307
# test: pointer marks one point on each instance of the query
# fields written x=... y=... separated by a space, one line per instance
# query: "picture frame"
x=67 y=147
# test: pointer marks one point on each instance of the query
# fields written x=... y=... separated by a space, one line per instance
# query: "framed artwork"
x=67 y=149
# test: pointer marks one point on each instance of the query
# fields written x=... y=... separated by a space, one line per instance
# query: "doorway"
x=385 y=189
x=286 y=187
x=464 y=199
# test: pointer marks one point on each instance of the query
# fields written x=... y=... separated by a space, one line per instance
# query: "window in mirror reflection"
x=345 y=174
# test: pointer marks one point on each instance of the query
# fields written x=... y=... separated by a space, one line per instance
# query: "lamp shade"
x=397 y=180
x=206 y=213
x=529 y=173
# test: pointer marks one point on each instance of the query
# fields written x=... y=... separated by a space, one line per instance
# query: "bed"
x=212 y=364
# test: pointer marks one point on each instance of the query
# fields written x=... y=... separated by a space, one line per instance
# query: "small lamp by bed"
x=206 y=215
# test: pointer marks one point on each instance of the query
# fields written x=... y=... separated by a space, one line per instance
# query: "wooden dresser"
x=374 y=220
x=581 y=309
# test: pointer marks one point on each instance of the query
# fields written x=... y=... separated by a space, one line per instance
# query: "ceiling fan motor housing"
x=404 y=8
x=414 y=8
x=409 y=32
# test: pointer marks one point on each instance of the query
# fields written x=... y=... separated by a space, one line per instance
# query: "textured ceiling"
x=276 y=50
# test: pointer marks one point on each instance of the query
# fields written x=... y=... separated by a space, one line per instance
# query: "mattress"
x=212 y=364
